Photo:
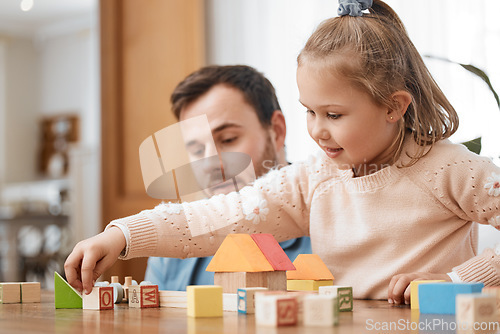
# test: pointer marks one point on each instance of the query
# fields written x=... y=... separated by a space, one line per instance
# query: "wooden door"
x=147 y=47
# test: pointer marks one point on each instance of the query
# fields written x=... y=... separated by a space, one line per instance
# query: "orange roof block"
x=309 y=267
x=238 y=252
x=250 y=253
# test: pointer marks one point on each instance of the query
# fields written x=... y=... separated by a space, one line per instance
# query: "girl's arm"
x=277 y=203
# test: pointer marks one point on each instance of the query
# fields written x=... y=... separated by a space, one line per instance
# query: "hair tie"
x=353 y=7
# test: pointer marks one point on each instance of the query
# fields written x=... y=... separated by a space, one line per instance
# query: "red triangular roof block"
x=273 y=251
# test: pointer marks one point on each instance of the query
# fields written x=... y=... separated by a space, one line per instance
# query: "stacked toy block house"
x=255 y=260
x=476 y=308
x=311 y=273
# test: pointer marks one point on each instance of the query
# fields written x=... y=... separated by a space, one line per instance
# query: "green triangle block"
x=65 y=295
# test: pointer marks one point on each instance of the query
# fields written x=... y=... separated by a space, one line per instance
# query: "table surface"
x=367 y=317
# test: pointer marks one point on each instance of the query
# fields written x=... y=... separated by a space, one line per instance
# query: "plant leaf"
x=473 y=69
x=474 y=145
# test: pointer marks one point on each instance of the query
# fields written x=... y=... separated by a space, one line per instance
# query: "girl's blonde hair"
x=378 y=57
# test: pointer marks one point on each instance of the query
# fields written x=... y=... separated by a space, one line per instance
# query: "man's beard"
x=266 y=161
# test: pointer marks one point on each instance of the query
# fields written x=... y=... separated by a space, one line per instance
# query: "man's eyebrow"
x=224 y=126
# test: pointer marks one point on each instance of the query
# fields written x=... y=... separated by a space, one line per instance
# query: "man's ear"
x=278 y=127
x=402 y=100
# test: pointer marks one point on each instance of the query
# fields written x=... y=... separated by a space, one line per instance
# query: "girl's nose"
x=319 y=132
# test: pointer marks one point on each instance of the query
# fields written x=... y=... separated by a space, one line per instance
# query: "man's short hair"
x=257 y=90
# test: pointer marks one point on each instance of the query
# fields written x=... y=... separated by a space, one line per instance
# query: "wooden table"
x=367 y=317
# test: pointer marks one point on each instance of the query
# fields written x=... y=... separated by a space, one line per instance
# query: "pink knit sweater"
x=366 y=229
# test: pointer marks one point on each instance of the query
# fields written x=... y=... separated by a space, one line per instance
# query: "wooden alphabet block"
x=320 y=310
x=275 y=310
x=204 y=301
x=30 y=292
x=439 y=298
x=343 y=295
x=494 y=291
x=142 y=296
x=10 y=293
x=101 y=298
x=246 y=299
x=306 y=284
x=177 y=299
x=65 y=295
x=230 y=302
x=414 y=291
x=476 y=308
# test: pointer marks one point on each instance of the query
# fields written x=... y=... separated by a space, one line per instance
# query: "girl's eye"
x=309 y=111
x=333 y=116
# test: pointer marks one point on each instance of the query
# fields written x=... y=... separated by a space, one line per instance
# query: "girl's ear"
x=402 y=100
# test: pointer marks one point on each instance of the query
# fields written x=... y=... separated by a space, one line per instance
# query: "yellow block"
x=204 y=301
x=414 y=291
x=306 y=284
x=309 y=267
x=239 y=253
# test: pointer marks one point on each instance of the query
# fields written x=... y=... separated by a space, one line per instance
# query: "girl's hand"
x=399 y=287
x=91 y=257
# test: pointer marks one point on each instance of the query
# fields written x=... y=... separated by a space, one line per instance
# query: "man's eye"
x=228 y=140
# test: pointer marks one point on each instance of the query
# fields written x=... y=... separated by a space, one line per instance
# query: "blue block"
x=439 y=298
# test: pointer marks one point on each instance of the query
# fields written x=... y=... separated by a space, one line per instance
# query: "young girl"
x=388 y=199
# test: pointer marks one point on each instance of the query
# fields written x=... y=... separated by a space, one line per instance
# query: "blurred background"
x=83 y=82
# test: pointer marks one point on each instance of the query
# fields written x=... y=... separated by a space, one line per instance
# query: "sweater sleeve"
x=469 y=185
x=277 y=203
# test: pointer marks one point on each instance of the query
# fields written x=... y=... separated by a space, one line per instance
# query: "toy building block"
x=276 y=310
x=439 y=298
x=10 y=293
x=474 y=308
x=142 y=296
x=310 y=274
x=30 y=292
x=320 y=310
x=309 y=267
x=495 y=291
x=306 y=284
x=231 y=282
x=65 y=295
x=128 y=282
x=115 y=279
x=414 y=291
x=117 y=292
x=250 y=261
x=101 y=284
x=343 y=294
x=101 y=298
x=204 y=301
x=246 y=299
x=176 y=299
x=230 y=302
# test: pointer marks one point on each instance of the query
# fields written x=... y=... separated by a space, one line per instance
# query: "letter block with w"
x=142 y=296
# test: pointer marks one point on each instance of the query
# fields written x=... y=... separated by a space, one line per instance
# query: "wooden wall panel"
x=147 y=47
